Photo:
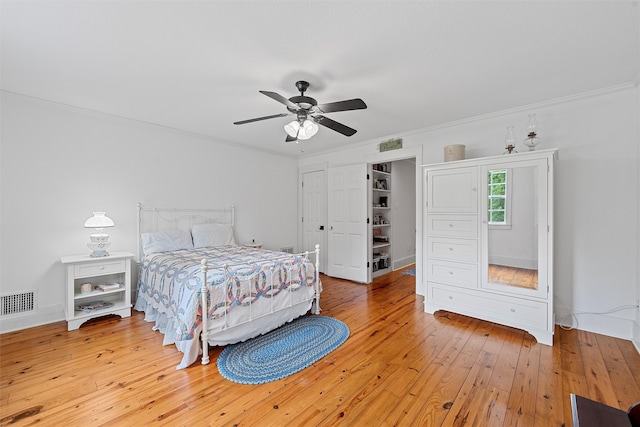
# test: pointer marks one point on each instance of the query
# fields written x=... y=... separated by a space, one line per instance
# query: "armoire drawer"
x=516 y=312
x=454 y=273
x=452 y=225
x=464 y=250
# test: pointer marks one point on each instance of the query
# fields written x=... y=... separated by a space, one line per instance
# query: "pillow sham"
x=211 y=235
x=165 y=241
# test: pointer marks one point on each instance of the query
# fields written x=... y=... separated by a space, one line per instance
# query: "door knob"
x=331 y=227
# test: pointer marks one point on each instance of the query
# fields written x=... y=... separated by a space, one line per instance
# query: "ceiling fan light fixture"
x=292 y=128
x=306 y=131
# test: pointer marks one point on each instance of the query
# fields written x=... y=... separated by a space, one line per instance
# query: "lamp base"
x=99 y=244
x=531 y=142
x=99 y=253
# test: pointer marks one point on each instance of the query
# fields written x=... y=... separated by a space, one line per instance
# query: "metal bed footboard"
x=204 y=294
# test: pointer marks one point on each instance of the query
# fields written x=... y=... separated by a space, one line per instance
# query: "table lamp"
x=99 y=240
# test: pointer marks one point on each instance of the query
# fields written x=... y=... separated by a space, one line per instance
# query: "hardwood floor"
x=400 y=366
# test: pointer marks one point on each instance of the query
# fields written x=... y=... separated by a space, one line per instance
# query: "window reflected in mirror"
x=513 y=229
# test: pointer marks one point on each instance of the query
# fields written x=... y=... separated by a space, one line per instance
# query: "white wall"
x=403 y=213
x=59 y=164
x=596 y=217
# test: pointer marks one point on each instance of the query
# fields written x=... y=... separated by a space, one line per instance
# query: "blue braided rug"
x=410 y=271
x=283 y=351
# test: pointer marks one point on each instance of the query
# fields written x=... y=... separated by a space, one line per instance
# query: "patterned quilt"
x=238 y=276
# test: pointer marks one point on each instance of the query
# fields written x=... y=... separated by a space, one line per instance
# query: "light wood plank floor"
x=400 y=367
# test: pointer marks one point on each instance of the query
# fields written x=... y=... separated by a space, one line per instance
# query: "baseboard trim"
x=401 y=263
x=43 y=316
x=600 y=324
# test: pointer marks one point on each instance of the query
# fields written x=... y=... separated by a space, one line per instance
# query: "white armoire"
x=488 y=249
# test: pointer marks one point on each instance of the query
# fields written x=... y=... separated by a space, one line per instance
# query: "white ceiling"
x=197 y=66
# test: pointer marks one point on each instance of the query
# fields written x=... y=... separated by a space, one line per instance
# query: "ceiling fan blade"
x=350 y=104
x=281 y=99
x=332 y=124
x=241 y=122
x=291 y=139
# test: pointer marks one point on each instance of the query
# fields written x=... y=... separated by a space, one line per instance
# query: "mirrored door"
x=514 y=227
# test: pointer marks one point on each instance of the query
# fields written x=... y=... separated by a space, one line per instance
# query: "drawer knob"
x=102 y=267
x=513 y=310
x=450 y=249
x=451 y=272
x=450 y=225
x=450 y=297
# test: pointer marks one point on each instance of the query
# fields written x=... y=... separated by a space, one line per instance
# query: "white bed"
x=249 y=291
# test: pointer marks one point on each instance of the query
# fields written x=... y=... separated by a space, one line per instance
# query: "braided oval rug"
x=283 y=351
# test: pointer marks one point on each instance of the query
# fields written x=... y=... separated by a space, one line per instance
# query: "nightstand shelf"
x=84 y=270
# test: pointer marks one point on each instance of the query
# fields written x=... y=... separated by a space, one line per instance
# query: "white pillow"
x=164 y=241
x=210 y=235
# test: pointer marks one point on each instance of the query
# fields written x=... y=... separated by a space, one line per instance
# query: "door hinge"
x=367 y=220
x=367 y=177
x=367 y=264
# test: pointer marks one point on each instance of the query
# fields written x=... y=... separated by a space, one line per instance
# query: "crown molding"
x=529 y=107
x=104 y=115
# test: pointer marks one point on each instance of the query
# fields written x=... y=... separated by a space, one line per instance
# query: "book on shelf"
x=108 y=286
x=94 y=305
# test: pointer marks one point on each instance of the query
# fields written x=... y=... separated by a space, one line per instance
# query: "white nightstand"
x=82 y=269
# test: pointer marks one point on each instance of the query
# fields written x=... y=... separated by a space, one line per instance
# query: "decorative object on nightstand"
x=532 y=133
x=97 y=287
x=99 y=240
x=253 y=244
x=510 y=141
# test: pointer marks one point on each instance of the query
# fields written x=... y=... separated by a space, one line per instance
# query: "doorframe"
x=318 y=167
x=414 y=151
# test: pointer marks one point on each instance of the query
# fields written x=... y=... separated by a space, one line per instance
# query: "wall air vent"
x=17 y=303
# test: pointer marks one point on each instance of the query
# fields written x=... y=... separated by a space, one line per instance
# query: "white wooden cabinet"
x=463 y=245
x=441 y=198
x=84 y=270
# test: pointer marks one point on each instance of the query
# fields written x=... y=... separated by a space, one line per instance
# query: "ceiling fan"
x=309 y=114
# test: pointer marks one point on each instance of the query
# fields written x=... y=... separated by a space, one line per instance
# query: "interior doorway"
x=392 y=216
x=408 y=249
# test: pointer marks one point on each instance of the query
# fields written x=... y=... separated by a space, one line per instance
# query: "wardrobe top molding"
x=551 y=152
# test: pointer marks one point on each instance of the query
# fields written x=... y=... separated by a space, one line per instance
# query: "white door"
x=347 y=202
x=314 y=214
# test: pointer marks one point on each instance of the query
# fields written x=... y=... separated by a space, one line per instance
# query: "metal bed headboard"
x=161 y=219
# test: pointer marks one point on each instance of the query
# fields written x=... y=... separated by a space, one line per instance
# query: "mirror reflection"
x=512 y=227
